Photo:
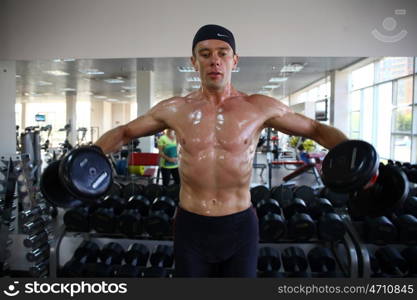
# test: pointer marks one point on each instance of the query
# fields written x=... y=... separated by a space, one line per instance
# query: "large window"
x=355 y=114
x=390 y=68
x=382 y=105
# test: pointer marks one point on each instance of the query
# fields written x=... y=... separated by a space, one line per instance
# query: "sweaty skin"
x=217 y=129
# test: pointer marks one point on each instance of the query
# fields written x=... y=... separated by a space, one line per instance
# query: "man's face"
x=214 y=60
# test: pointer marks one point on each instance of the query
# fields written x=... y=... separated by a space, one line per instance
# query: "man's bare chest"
x=229 y=128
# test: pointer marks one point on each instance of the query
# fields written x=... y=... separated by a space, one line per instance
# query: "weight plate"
x=349 y=166
x=86 y=172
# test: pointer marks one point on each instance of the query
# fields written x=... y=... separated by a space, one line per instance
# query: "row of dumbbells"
x=389 y=261
x=293 y=262
x=384 y=230
x=295 y=214
x=130 y=209
x=133 y=217
x=113 y=261
x=409 y=169
x=36 y=223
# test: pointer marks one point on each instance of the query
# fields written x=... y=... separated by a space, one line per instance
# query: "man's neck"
x=218 y=96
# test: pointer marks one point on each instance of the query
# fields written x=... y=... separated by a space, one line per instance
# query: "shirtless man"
x=217 y=127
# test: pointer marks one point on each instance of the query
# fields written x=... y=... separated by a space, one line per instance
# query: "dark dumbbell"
x=78 y=218
x=259 y=193
x=130 y=222
x=135 y=258
x=34 y=212
x=272 y=227
x=374 y=264
x=153 y=191
x=410 y=206
x=132 y=189
x=37 y=239
x=116 y=189
x=282 y=192
x=140 y=203
x=301 y=227
x=39 y=270
x=267 y=206
x=292 y=206
x=336 y=199
x=319 y=206
x=39 y=254
x=407 y=228
x=87 y=253
x=161 y=259
x=83 y=174
x=410 y=255
x=117 y=203
x=158 y=223
x=295 y=262
x=391 y=261
x=411 y=172
x=271 y=224
x=322 y=261
x=172 y=191
x=376 y=189
x=305 y=193
x=331 y=227
x=111 y=256
x=269 y=262
x=36 y=225
x=380 y=230
x=105 y=218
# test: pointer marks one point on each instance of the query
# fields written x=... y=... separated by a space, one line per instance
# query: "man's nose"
x=215 y=60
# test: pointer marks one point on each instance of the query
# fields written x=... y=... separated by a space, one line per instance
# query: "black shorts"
x=225 y=246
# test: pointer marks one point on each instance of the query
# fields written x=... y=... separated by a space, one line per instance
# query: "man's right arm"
x=152 y=122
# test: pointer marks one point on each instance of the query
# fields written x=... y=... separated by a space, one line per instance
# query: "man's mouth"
x=214 y=74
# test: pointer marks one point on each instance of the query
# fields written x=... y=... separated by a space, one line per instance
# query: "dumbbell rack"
x=61 y=233
x=7 y=193
x=22 y=193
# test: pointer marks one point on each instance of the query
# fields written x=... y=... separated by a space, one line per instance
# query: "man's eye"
x=223 y=53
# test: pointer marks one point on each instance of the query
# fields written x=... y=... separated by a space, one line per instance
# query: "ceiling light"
x=26 y=94
x=100 y=97
x=58 y=60
x=112 y=100
x=278 y=79
x=57 y=73
x=263 y=92
x=195 y=86
x=193 y=79
x=92 y=72
x=271 y=86
x=43 y=83
x=186 y=69
x=114 y=80
x=18 y=76
x=130 y=96
x=129 y=88
x=68 y=90
x=292 y=68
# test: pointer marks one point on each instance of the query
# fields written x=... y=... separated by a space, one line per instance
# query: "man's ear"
x=194 y=62
x=235 y=60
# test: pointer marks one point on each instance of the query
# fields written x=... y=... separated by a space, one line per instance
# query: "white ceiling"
x=34 y=84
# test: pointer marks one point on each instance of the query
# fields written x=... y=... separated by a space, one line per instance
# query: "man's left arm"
x=282 y=118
